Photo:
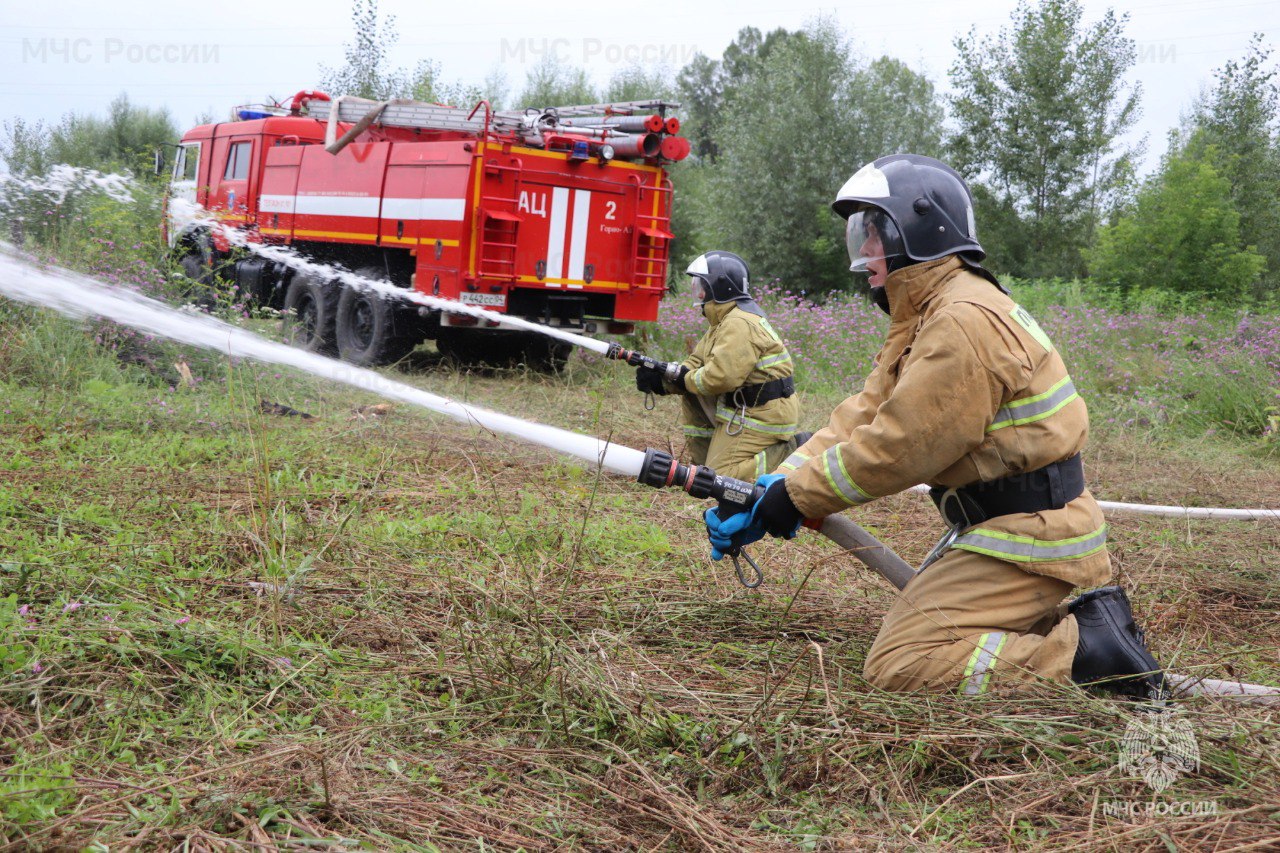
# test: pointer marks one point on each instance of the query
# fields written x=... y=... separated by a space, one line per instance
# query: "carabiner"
x=941 y=548
x=737 y=567
x=648 y=401
x=739 y=415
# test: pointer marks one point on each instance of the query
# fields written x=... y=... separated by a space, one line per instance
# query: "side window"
x=238 y=161
x=188 y=165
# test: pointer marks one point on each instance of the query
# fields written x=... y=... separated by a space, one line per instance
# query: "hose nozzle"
x=660 y=470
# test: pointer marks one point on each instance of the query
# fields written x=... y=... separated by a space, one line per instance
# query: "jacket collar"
x=911 y=288
x=717 y=311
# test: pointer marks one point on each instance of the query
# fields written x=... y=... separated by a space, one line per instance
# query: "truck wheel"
x=481 y=348
x=374 y=329
x=199 y=278
x=309 y=308
x=465 y=347
x=547 y=355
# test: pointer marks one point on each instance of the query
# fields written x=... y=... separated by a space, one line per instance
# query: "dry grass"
x=401 y=634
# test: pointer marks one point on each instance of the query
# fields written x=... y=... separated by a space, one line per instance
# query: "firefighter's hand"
x=649 y=380
x=774 y=514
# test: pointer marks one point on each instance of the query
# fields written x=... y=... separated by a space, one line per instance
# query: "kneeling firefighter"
x=739 y=405
x=969 y=395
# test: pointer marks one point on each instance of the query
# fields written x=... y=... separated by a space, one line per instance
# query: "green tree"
x=635 y=83
x=1040 y=109
x=552 y=83
x=1240 y=117
x=427 y=84
x=899 y=111
x=706 y=85
x=792 y=133
x=366 y=72
x=125 y=139
x=1183 y=234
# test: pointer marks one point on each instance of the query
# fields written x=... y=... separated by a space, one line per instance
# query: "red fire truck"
x=556 y=215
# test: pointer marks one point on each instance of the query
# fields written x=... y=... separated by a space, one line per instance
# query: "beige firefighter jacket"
x=741 y=349
x=966 y=388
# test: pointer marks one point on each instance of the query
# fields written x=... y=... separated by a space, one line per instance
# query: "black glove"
x=649 y=380
x=775 y=511
x=774 y=514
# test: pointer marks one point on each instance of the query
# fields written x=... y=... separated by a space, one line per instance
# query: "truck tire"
x=309 y=308
x=199 y=276
x=374 y=329
x=470 y=347
x=547 y=355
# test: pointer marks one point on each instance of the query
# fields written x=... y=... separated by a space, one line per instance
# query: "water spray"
x=185 y=213
x=79 y=296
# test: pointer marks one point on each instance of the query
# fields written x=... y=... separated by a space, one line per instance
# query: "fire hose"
x=82 y=297
x=732 y=496
x=615 y=351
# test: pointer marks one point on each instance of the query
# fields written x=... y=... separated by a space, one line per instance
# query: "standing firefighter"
x=739 y=405
x=970 y=396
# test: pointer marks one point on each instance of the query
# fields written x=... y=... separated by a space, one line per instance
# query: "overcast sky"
x=58 y=56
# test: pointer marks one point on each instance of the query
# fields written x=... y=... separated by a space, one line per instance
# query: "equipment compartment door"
x=278 y=202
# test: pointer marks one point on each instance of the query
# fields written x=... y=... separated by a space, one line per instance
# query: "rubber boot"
x=1112 y=652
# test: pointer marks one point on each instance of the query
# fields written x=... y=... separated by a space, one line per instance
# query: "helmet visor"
x=869 y=236
x=697 y=289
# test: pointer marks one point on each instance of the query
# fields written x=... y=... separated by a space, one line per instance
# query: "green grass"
x=223 y=628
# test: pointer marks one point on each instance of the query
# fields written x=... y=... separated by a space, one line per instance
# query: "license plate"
x=488 y=300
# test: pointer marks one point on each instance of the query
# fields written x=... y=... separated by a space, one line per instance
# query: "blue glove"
x=773 y=514
x=737 y=530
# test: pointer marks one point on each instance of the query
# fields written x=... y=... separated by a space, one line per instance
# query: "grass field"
x=224 y=629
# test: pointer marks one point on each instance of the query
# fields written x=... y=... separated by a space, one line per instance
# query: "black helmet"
x=919 y=207
x=723 y=276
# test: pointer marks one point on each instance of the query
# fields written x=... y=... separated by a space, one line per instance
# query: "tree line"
x=1036 y=120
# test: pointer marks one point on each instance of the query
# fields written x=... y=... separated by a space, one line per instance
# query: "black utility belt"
x=750 y=396
x=1051 y=487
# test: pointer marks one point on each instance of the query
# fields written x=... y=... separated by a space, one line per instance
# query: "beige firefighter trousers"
x=745 y=456
x=971 y=623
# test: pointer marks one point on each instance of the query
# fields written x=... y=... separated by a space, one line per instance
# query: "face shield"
x=870 y=236
x=697 y=290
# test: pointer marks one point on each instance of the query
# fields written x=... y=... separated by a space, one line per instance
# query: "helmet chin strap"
x=893 y=263
x=880 y=297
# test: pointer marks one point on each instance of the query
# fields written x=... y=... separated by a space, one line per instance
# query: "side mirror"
x=159 y=162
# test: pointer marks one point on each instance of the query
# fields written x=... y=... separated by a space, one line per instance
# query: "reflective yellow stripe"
x=1035 y=408
x=838 y=478
x=335 y=235
x=1028 y=549
x=575 y=282
x=699 y=432
x=770 y=361
x=723 y=413
x=794 y=461
x=977 y=674
x=761 y=462
x=697 y=380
